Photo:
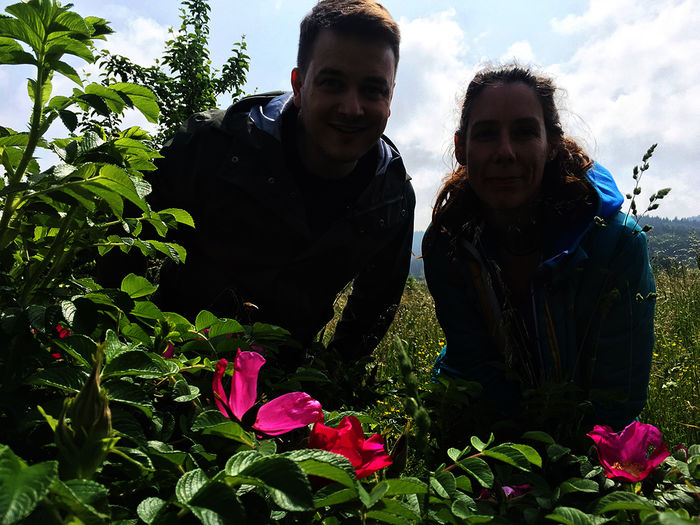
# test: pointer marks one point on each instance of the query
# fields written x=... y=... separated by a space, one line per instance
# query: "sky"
x=627 y=70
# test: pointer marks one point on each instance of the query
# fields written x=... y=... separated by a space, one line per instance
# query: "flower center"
x=630 y=467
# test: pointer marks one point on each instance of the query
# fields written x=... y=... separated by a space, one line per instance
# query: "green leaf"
x=179 y=215
x=147 y=310
x=570 y=516
x=387 y=517
x=45 y=91
x=67 y=71
x=333 y=495
x=19 y=30
x=81 y=497
x=400 y=486
x=12 y=53
x=225 y=327
x=240 y=461
x=136 y=286
x=556 y=451
x=397 y=508
x=67 y=378
x=141 y=97
x=69 y=119
x=667 y=518
x=480 y=445
x=530 y=453
x=204 y=320
x=111 y=97
x=141 y=364
x=578 y=485
x=509 y=454
x=621 y=501
x=150 y=508
x=184 y=392
x=443 y=483
x=213 y=422
x=129 y=394
x=284 y=481
x=377 y=493
x=190 y=484
x=116 y=179
x=325 y=464
x=479 y=470
x=176 y=457
x=22 y=487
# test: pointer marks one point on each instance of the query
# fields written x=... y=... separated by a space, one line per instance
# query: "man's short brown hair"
x=356 y=18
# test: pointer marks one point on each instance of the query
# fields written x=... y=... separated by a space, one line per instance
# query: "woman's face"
x=506 y=146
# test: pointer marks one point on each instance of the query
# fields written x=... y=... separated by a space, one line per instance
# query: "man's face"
x=343 y=100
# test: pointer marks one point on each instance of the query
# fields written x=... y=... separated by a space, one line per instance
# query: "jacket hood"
x=610 y=198
x=268 y=118
x=609 y=203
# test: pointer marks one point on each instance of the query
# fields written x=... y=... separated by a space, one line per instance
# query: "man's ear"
x=297 y=82
x=460 y=155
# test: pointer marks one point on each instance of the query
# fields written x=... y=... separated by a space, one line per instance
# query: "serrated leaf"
x=226 y=327
x=386 y=517
x=179 y=215
x=509 y=454
x=69 y=119
x=213 y=422
x=129 y=394
x=176 y=457
x=578 y=485
x=150 y=508
x=111 y=97
x=204 y=320
x=136 y=286
x=284 y=481
x=443 y=483
x=189 y=484
x=333 y=495
x=67 y=378
x=141 y=364
x=184 y=392
x=400 y=486
x=237 y=463
x=141 y=97
x=479 y=470
x=325 y=464
x=12 y=53
x=22 y=486
x=621 y=501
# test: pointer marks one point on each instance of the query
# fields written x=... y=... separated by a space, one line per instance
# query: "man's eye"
x=331 y=83
x=375 y=92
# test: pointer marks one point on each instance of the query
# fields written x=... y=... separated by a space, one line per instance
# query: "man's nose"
x=351 y=103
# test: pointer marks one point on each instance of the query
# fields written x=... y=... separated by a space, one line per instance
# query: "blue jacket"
x=591 y=312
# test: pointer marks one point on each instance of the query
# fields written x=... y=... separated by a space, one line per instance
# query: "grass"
x=674 y=388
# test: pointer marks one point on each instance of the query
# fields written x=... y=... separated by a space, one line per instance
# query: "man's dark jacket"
x=252 y=242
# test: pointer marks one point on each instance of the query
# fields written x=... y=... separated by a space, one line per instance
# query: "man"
x=296 y=195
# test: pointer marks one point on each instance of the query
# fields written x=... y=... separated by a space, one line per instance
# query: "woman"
x=538 y=278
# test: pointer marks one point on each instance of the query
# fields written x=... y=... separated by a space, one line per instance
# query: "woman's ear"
x=460 y=154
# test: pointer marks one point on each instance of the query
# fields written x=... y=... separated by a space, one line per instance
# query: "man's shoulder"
x=227 y=120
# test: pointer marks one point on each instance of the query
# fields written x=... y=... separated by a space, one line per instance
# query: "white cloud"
x=519 y=51
x=430 y=80
x=635 y=82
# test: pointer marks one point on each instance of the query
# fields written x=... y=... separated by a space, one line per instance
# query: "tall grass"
x=674 y=388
